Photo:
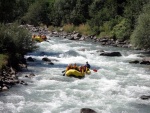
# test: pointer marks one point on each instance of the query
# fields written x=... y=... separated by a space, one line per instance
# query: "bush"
x=39 y=16
x=141 y=35
x=84 y=29
x=122 y=30
x=105 y=29
x=3 y=60
x=69 y=28
x=15 y=41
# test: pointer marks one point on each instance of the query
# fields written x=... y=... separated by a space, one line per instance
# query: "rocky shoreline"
x=9 y=78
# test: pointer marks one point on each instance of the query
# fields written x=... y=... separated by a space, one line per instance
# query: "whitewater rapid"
x=115 y=88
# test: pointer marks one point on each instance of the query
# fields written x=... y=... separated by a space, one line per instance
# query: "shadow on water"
x=71 y=53
x=142 y=108
x=41 y=53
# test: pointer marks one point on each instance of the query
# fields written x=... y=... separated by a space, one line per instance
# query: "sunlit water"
x=114 y=88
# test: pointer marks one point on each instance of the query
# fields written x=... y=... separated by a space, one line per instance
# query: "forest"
x=117 y=19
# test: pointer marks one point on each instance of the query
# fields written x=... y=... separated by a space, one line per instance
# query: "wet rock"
x=5 y=88
x=30 y=59
x=23 y=65
x=99 y=51
x=82 y=38
x=111 y=54
x=134 y=62
x=50 y=63
x=46 y=59
x=144 y=97
x=145 y=62
x=32 y=74
x=87 y=110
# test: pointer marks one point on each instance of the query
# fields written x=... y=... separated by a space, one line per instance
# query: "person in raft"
x=81 y=69
x=87 y=65
x=75 y=67
x=69 y=67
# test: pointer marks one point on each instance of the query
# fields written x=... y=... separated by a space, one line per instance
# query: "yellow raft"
x=39 y=38
x=76 y=74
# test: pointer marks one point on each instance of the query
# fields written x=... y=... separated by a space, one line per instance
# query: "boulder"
x=30 y=59
x=87 y=110
x=134 y=62
x=111 y=54
x=144 y=97
x=46 y=59
x=145 y=62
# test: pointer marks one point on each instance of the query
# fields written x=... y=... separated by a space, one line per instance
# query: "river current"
x=115 y=88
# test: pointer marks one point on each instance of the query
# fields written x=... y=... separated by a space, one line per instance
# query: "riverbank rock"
x=8 y=78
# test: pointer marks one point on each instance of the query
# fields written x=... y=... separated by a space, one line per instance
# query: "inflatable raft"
x=39 y=38
x=76 y=74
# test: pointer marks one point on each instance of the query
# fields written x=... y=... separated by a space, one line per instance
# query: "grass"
x=84 y=29
x=3 y=60
x=69 y=28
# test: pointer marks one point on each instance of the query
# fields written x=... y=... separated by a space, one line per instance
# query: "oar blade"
x=95 y=70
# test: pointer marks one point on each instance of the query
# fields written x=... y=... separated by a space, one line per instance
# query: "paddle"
x=95 y=70
x=63 y=72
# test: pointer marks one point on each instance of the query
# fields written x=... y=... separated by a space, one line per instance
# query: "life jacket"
x=43 y=37
x=69 y=67
x=76 y=67
x=81 y=69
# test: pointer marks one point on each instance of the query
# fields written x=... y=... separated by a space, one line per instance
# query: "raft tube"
x=39 y=39
x=74 y=73
x=88 y=72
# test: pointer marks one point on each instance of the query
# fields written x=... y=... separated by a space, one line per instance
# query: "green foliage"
x=121 y=30
x=14 y=39
x=84 y=29
x=15 y=42
x=71 y=11
x=106 y=28
x=69 y=28
x=104 y=17
x=140 y=37
x=12 y=10
x=3 y=60
x=37 y=13
x=132 y=9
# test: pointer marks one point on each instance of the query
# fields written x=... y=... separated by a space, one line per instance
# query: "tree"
x=40 y=15
x=141 y=35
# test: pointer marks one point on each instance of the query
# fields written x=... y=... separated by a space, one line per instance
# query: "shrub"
x=69 y=28
x=141 y=35
x=3 y=60
x=15 y=41
x=84 y=29
x=122 y=30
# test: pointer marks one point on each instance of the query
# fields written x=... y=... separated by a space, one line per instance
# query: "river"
x=115 y=88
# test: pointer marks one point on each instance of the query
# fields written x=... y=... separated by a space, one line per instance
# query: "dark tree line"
x=119 y=19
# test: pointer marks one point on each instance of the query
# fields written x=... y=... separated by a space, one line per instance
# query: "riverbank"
x=105 y=41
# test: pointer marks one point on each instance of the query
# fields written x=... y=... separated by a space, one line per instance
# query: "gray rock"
x=87 y=110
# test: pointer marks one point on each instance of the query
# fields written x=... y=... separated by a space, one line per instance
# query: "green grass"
x=3 y=60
